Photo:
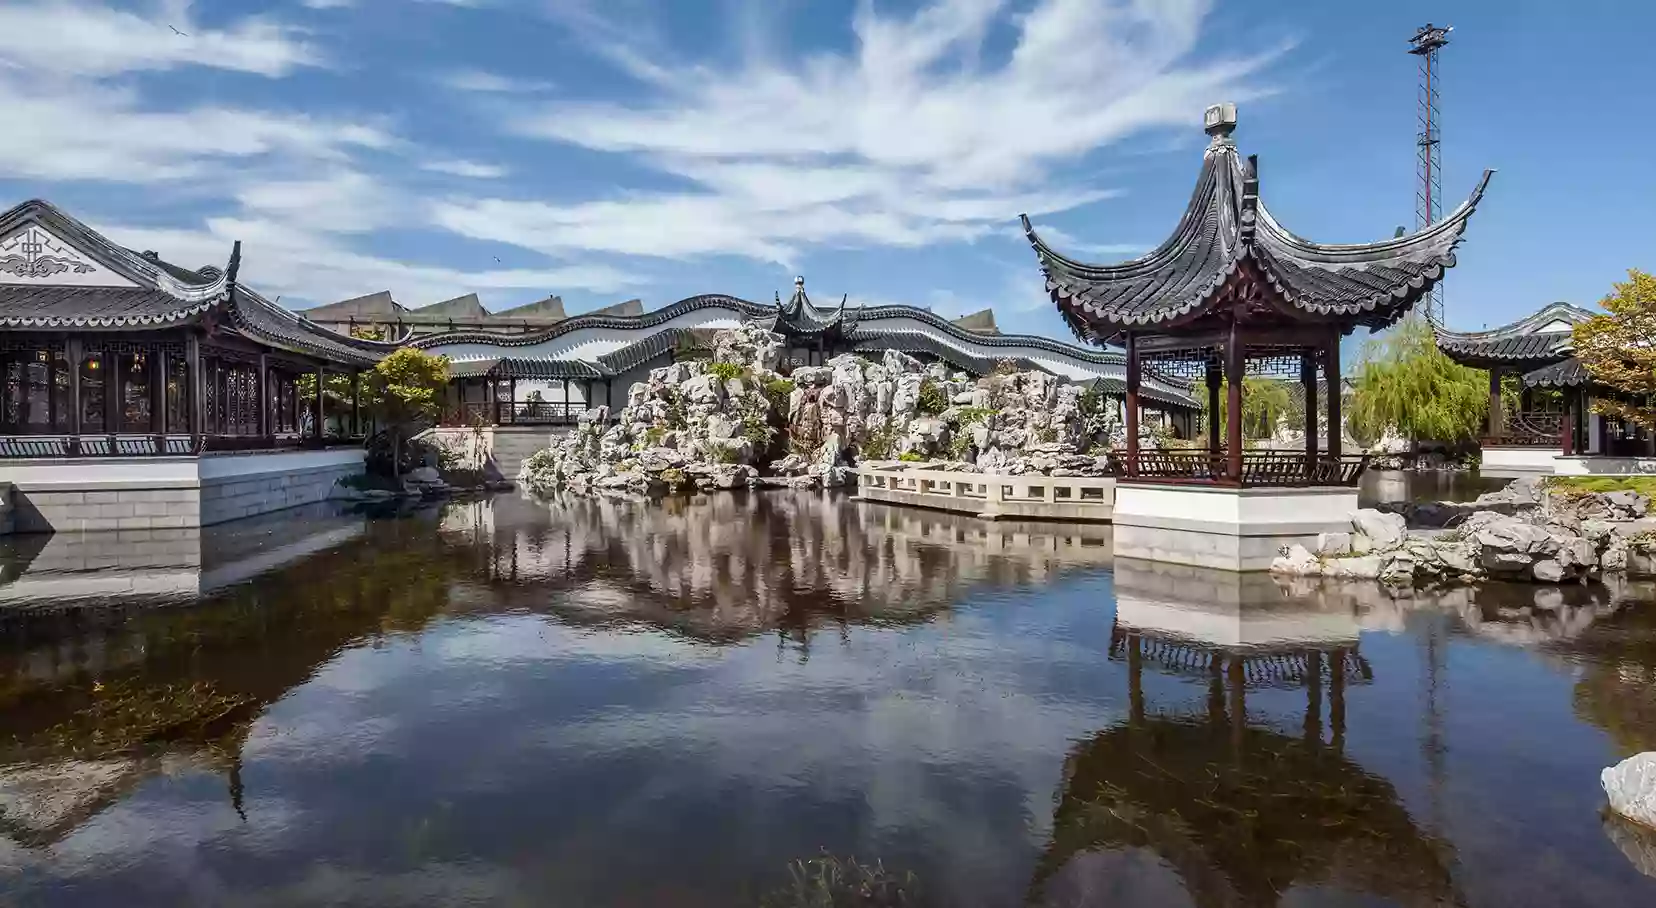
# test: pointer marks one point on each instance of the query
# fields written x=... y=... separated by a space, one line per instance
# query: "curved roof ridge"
x=131 y=265
x=1553 y=311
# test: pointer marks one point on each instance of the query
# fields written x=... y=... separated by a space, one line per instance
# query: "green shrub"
x=878 y=444
x=971 y=416
x=932 y=399
x=726 y=371
x=1644 y=485
x=912 y=457
x=675 y=478
x=655 y=435
x=777 y=391
x=960 y=445
x=724 y=454
x=756 y=430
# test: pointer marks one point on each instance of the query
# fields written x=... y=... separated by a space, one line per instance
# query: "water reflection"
x=604 y=702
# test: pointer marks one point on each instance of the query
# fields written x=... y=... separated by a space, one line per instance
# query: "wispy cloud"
x=473 y=170
x=77 y=38
x=484 y=82
x=1068 y=243
x=907 y=139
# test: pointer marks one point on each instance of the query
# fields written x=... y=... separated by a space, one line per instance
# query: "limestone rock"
x=1384 y=530
x=1631 y=788
x=1333 y=545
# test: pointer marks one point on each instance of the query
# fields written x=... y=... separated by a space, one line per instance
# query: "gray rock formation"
x=714 y=425
x=1631 y=788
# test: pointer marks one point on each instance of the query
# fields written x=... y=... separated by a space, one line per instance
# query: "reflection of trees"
x=725 y=567
x=1241 y=812
x=91 y=711
x=1617 y=688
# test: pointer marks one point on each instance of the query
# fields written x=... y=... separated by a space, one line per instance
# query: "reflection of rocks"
x=1637 y=843
x=41 y=803
x=728 y=566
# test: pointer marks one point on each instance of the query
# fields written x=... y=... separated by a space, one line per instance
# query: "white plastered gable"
x=33 y=255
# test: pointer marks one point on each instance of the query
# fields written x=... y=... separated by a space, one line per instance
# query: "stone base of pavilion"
x=1602 y=465
x=1224 y=527
x=1515 y=461
x=68 y=494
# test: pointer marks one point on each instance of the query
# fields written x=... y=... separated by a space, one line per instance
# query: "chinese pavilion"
x=107 y=354
x=1232 y=294
x=1553 y=394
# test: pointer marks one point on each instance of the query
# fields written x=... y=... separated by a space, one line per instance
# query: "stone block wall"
x=245 y=496
x=47 y=511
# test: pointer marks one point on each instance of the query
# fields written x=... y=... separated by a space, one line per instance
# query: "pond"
x=609 y=703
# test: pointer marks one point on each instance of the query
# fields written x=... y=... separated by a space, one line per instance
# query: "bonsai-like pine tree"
x=1618 y=348
x=404 y=392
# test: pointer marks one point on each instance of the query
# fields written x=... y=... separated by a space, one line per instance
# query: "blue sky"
x=606 y=150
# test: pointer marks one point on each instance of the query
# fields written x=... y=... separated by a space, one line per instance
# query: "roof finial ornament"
x=1219 y=121
x=799 y=282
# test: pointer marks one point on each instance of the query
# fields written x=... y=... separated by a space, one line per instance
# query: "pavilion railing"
x=1529 y=429
x=508 y=413
x=1259 y=468
x=20 y=447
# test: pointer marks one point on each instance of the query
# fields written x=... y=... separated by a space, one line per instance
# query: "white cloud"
x=73 y=37
x=470 y=169
x=484 y=82
x=909 y=139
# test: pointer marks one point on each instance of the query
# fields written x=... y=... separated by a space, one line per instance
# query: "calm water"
x=607 y=704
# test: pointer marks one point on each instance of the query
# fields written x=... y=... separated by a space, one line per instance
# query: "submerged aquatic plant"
x=827 y=881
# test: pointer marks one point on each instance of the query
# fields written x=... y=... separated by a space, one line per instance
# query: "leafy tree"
x=1618 y=347
x=1404 y=382
x=1264 y=403
x=403 y=392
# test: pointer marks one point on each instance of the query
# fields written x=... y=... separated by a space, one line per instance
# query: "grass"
x=1644 y=485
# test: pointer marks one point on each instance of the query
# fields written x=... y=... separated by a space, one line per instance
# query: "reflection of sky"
x=511 y=757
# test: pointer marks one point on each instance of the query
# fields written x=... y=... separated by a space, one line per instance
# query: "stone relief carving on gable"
x=33 y=254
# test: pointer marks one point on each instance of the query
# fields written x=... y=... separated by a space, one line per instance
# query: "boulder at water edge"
x=1631 y=787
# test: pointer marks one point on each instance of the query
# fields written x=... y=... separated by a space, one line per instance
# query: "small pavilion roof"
x=799 y=316
x=1226 y=240
x=1536 y=340
x=1569 y=373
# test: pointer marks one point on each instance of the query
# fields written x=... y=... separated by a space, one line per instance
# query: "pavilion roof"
x=800 y=316
x=1569 y=373
x=1538 y=339
x=1226 y=240
x=58 y=274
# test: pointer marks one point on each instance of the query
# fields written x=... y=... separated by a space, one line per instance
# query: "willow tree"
x=1618 y=348
x=1403 y=382
x=1265 y=402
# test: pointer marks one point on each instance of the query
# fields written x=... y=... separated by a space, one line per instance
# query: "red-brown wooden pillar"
x=1567 y=432
x=261 y=388
x=1331 y=373
x=1308 y=380
x=1132 y=415
x=1234 y=365
x=1215 y=377
x=1497 y=421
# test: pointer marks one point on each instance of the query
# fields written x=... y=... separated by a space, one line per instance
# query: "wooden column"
x=1308 y=380
x=114 y=387
x=1497 y=420
x=158 y=394
x=1234 y=367
x=261 y=387
x=75 y=354
x=321 y=411
x=494 y=394
x=193 y=386
x=1132 y=404
x=1566 y=430
x=1331 y=374
x=1336 y=700
x=1135 y=679
x=1215 y=377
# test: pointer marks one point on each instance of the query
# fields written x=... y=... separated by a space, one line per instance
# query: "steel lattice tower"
x=1429 y=141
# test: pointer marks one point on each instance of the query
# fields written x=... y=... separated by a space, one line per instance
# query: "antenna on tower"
x=1429 y=179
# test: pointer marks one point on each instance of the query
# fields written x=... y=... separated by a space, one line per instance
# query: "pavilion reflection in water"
x=1241 y=810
